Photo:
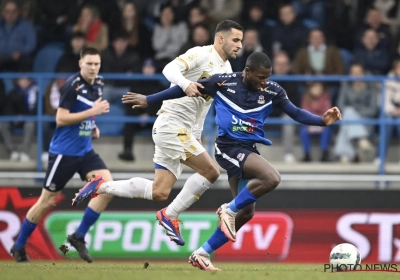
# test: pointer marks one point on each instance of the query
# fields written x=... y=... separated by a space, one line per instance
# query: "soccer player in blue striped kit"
x=243 y=101
x=71 y=152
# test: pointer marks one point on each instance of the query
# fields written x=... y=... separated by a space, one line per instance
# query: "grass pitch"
x=74 y=270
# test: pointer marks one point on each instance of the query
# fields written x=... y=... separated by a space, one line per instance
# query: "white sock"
x=203 y=252
x=193 y=188
x=132 y=188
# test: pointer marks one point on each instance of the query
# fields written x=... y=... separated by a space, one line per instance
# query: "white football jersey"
x=201 y=63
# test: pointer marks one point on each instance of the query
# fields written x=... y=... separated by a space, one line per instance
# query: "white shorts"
x=173 y=142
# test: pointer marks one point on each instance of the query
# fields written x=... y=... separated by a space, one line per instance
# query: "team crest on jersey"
x=52 y=187
x=261 y=99
x=240 y=156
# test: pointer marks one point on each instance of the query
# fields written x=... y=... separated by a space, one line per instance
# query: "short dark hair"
x=227 y=25
x=89 y=51
x=257 y=60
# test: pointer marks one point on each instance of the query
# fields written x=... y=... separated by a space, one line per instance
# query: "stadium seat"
x=114 y=128
x=47 y=58
x=310 y=23
x=347 y=58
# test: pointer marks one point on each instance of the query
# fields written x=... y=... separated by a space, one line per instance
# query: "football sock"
x=132 y=188
x=26 y=230
x=193 y=188
x=89 y=218
x=244 y=198
x=217 y=240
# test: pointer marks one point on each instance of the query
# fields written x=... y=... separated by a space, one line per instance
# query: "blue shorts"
x=62 y=168
x=231 y=155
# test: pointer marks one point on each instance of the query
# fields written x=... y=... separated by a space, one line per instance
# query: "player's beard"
x=228 y=54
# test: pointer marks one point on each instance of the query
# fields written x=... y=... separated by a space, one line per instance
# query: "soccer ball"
x=345 y=256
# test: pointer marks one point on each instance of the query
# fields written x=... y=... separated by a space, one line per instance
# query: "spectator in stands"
x=21 y=101
x=168 y=37
x=255 y=20
x=392 y=104
x=290 y=34
x=54 y=19
x=371 y=55
x=119 y=59
x=145 y=87
x=70 y=59
x=108 y=11
x=374 y=21
x=90 y=23
x=181 y=8
x=317 y=101
x=318 y=57
x=51 y=100
x=139 y=38
x=200 y=36
x=390 y=13
x=17 y=39
x=357 y=100
x=197 y=15
x=250 y=44
x=282 y=67
x=311 y=9
x=219 y=10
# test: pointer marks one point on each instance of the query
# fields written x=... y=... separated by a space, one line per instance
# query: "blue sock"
x=215 y=241
x=244 y=198
x=26 y=230
x=89 y=218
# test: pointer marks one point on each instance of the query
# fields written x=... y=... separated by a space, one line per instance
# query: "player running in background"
x=242 y=101
x=71 y=152
x=177 y=133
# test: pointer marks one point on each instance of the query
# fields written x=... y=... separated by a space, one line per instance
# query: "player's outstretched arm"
x=142 y=101
x=64 y=117
x=173 y=72
x=305 y=117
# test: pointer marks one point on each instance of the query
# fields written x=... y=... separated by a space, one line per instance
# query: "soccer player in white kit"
x=177 y=133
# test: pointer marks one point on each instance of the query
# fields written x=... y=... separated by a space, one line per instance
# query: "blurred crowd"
x=316 y=37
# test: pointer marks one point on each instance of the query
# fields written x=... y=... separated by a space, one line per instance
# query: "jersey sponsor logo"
x=268 y=91
x=78 y=87
x=261 y=99
x=243 y=126
x=231 y=90
x=86 y=127
x=224 y=83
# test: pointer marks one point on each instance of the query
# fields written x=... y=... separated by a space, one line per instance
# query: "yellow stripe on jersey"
x=184 y=62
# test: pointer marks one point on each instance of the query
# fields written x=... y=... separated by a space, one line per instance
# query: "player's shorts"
x=62 y=168
x=173 y=142
x=231 y=155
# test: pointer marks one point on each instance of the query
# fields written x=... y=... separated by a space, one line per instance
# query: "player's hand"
x=331 y=116
x=101 y=107
x=95 y=133
x=139 y=100
x=192 y=90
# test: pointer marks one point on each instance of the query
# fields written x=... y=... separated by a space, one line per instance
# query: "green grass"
x=74 y=270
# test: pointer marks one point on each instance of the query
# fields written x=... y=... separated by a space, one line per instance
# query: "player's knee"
x=272 y=180
x=211 y=173
x=160 y=193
